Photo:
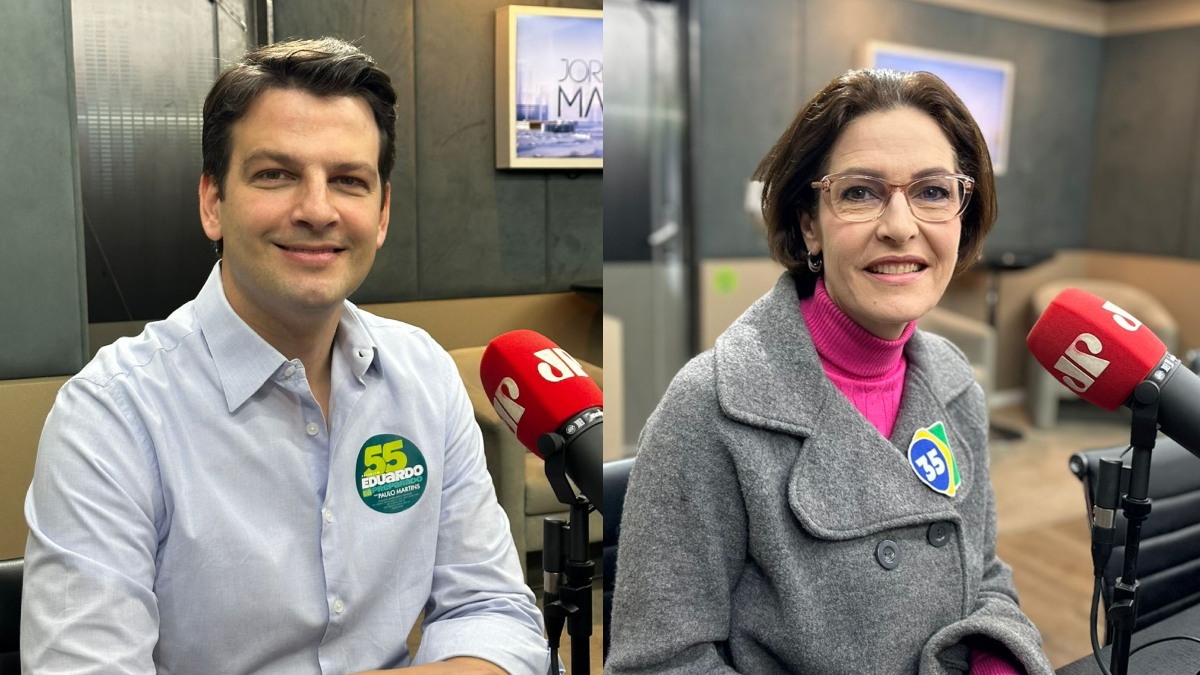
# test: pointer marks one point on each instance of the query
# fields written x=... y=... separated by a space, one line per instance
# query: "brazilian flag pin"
x=931 y=459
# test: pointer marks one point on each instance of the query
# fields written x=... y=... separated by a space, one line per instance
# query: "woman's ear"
x=808 y=228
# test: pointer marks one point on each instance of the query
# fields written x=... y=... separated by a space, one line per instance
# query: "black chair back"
x=11 y=574
x=1168 y=570
x=616 y=477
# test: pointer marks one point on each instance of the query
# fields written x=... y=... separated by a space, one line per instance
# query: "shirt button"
x=888 y=554
x=328 y=515
x=939 y=534
x=338 y=606
x=291 y=370
x=362 y=353
x=311 y=429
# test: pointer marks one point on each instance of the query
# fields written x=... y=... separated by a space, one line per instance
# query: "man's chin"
x=310 y=299
x=317 y=303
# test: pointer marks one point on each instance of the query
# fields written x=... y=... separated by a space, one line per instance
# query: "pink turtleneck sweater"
x=869 y=371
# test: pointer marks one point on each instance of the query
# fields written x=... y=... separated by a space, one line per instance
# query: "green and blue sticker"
x=933 y=461
x=390 y=473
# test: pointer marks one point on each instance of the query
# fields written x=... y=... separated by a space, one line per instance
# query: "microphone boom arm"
x=1122 y=611
x=551 y=446
x=573 y=604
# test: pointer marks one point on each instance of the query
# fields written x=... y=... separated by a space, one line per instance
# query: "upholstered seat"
x=616 y=480
x=11 y=574
x=975 y=338
x=1168 y=558
x=1043 y=391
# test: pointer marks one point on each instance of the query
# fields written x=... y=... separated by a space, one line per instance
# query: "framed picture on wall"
x=549 y=88
x=985 y=85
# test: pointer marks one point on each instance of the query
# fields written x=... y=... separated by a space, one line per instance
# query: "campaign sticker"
x=390 y=473
x=931 y=459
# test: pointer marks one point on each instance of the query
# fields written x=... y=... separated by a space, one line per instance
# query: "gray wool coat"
x=753 y=533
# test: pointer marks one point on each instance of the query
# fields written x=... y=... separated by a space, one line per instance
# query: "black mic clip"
x=1144 y=403
x=552 y=446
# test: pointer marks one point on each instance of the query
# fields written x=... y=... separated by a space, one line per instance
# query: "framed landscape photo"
x=985 y=85
x=549 y=88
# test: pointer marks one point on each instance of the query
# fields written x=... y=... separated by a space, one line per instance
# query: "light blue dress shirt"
x=191 y=511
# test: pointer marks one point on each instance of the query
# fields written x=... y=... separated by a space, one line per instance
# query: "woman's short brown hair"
x=801 y=156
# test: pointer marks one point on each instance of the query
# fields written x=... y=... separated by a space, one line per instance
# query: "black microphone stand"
x=567 y=600
x=1122 y=611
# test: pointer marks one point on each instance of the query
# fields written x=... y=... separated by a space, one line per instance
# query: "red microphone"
x=1095 y=348
x=547 y=399
x=1101 y=352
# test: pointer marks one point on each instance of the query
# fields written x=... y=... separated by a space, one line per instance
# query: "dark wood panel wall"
x=459 y=227
x=1146 y=180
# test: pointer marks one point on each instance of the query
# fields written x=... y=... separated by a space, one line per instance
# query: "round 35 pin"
x=933 y=461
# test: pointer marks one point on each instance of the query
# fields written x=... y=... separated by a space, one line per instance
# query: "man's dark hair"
x=321 y=67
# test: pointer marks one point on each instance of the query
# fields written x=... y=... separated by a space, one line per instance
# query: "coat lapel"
x=847 y=480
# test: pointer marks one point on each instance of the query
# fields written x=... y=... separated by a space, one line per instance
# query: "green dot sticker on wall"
x=725 y=280
x=390 y=473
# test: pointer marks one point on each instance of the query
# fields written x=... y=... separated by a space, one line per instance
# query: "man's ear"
x=210 y=211
x=384 y=215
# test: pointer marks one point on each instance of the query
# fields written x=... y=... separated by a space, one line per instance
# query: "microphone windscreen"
x=1095 y=348
x=534 y=385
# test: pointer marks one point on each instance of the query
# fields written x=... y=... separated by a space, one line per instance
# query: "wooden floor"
x=1042 y=527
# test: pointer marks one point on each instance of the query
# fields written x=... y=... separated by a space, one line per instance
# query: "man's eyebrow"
x=351 y=167
x=287 y=160
x=271 y=156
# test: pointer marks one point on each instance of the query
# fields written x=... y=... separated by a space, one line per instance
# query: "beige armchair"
x=519 y=475
x=975 y=338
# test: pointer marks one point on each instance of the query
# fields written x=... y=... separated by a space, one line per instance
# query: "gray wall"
x=1146 y=184
x=459 y=227
x=42 y=307
x=761 y=60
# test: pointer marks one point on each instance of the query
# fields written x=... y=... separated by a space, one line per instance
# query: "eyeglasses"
x=860 y=199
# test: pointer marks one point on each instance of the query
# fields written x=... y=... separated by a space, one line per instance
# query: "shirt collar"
x=245 y=361
x=355 y=343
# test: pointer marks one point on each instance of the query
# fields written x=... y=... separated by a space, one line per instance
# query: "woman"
x=812 y=495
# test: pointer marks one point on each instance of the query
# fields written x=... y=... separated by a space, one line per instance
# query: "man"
x=272 y=480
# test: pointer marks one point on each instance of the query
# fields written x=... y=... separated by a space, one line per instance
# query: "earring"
x=815 y=263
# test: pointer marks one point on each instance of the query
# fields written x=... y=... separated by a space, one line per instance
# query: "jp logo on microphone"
x=1081 y=364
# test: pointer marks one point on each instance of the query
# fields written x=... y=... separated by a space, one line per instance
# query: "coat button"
x=939 y=533
x=888 y=554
